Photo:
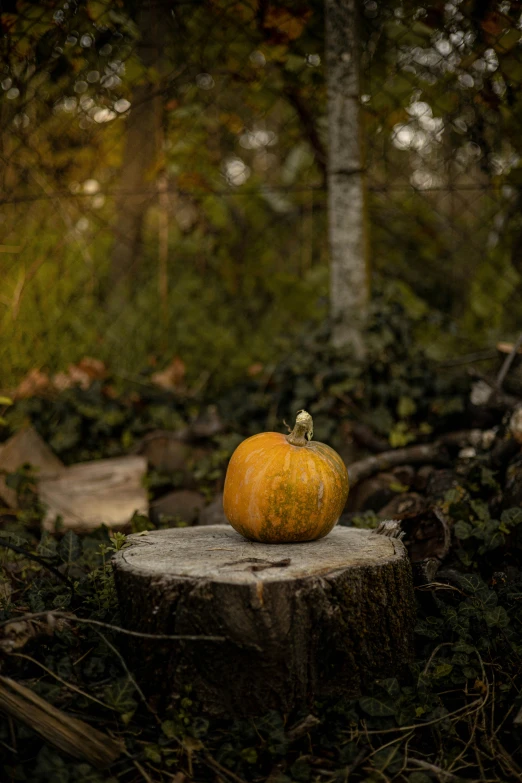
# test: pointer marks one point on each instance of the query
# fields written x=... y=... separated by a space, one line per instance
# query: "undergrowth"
x=453 y=717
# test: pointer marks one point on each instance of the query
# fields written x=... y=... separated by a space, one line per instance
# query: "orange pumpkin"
x=282 y=488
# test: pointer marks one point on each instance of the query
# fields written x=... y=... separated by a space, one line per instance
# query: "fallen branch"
x=365 y=437
x=71 y=735
x=424 y=453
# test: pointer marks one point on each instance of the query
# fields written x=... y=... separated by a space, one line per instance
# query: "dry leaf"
x=255 y=369
x=172 y=377
x=62 y=381
x=286 y=25
x=34 y=383
x=94 y=368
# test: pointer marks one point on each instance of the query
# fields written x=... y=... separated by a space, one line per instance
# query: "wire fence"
x=164 y=172
x=440 y=91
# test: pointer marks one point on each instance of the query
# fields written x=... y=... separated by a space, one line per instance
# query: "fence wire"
x=164 y=172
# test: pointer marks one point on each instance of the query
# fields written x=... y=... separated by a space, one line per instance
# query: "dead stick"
x=431 y=453
x=71 y=735
x=508 y=361
x=50 y=613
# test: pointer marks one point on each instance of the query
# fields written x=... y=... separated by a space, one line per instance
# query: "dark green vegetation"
x=452 y=716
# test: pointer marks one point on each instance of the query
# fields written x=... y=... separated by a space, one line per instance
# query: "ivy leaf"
x=384 y=757
x=432 y=631
x=487 y=597
x=153 y=753
x=460 y=624
x=47 y=545
x=487 y=478
x=70 y=548
x=462 y=647
x=120 y=696
x=460 y=659
x=419 y=777
x=406 y=715
x=463 y=530
x=496 y=617
x=492 y=540
x=348 y=753
x=511 y=517
x=470 y=582
x=171 y=729
x=376 y=707
x=391 y=686
x=405 y=407
x=481 y=510
x=442 y=670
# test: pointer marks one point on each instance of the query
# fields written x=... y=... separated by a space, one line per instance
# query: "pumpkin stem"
x=303 y=430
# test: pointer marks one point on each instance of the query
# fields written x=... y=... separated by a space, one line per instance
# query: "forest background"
x=211 y=246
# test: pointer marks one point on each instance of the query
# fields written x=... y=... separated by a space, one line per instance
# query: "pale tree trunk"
x=349 y=268
x=136 y=186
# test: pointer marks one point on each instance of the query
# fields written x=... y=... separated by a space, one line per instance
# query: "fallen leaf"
x=172 y=377
x=34 y=383
x=255 y=369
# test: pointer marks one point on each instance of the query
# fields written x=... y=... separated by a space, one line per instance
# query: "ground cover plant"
x=453 y=715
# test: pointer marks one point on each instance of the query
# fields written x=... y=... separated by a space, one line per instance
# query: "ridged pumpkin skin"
x=277 y=493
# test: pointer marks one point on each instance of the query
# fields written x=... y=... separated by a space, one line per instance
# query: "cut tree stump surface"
x=101 y=492
x=295 y=621
x=219 y=554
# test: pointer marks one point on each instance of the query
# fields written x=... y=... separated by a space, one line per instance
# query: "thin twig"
x=117 y=628
x=19 y=550
x=143 y=772
x=381 y=747
x=128 y=673
x=434 y=653
x=64 y=682
x=211 y=761
x=508 y=361
x=443 y=775
x=478 y=703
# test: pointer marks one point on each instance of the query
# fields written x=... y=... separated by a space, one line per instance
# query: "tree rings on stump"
x=293 y=622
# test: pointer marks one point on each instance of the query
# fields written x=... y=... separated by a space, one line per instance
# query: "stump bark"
x=296 y=622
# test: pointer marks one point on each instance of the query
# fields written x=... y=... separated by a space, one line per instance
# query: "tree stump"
x=295 y=622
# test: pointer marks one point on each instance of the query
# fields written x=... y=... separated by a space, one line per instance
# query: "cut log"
x=26 y=447
x=89 y=494
x=296 y=622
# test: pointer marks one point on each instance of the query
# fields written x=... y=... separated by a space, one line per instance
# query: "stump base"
x=298 y=622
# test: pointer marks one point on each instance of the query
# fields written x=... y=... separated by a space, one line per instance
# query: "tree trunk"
x=349 y=267
x=136 y=186
x=294 y=622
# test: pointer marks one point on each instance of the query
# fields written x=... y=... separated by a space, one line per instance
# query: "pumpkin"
x=282 y=488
